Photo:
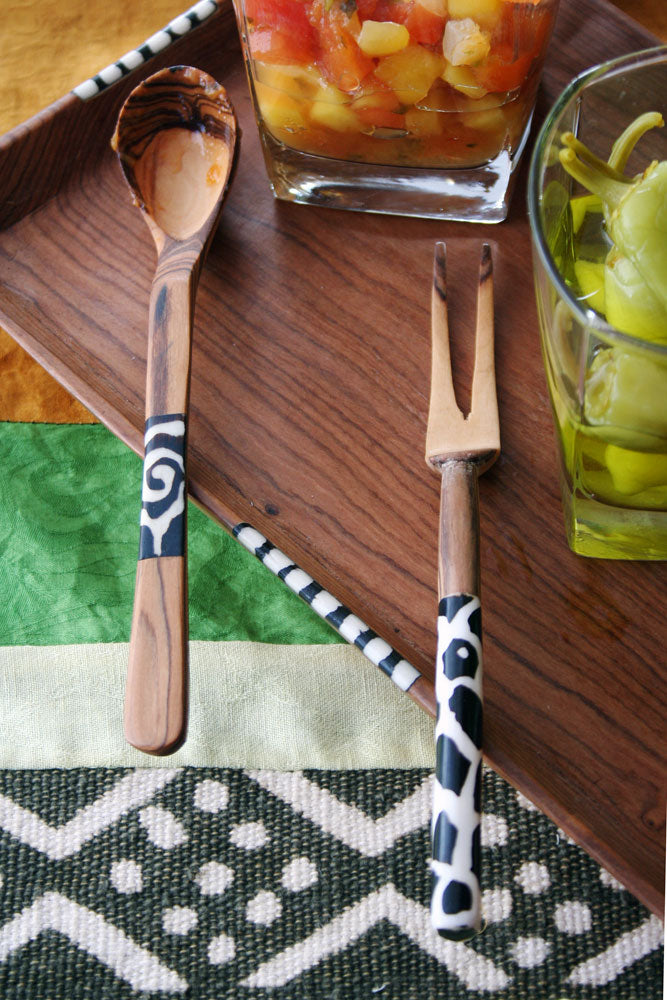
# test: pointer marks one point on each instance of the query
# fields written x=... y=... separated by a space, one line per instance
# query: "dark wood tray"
x=309 y=400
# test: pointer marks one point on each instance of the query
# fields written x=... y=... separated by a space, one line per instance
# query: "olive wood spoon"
x=176 y=141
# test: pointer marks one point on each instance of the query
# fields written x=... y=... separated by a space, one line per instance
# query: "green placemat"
x=70 y=498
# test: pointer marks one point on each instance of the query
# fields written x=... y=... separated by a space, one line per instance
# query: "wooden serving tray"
x=310 y=391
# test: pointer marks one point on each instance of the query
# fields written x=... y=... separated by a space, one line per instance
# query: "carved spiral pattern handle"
x=163 y=489
x=456 y=899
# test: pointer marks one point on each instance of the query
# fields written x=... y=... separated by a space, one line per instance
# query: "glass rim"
x=585 y=317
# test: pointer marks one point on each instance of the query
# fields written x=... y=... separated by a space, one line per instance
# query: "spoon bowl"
x=176 y=140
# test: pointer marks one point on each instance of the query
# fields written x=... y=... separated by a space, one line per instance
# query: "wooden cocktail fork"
x=459 y=448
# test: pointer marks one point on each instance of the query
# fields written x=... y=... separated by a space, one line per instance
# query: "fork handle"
x=456 y=822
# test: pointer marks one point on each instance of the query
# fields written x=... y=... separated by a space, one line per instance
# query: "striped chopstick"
x=328 y=607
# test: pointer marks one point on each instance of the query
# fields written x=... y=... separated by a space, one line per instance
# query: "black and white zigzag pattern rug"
x=217 y=883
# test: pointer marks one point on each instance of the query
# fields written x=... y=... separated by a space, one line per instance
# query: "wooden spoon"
x=176 y=140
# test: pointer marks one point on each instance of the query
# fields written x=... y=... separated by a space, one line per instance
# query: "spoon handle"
x=156 y=692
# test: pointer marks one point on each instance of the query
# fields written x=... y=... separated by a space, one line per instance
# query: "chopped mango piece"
x=296 y=81
x=300 y=83
x=485 y=12
x=410 y=72
x=490 y=120
x=279 y=111
x=335 y=116
x=383 y=99
x=381 y=38
x=437 y=7
x=464 y=43
x=423 y=123
x=441 y=98
x=486 y=103
x=463 y=79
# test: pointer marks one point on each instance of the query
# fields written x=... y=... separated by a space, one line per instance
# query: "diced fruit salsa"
x=420 y=83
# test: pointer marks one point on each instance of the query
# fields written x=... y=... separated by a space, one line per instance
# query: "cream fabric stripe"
x=252 y=705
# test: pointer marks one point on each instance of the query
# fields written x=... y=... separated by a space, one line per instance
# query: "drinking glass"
x=409 y=107
x=603 y=324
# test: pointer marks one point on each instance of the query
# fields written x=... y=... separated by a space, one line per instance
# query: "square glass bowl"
x=407 y=107
x=600 y=262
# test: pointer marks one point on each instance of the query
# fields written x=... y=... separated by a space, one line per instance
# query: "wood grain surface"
x=310 y=381
x=156 y=693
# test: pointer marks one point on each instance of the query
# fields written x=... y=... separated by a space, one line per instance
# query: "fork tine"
x=440 y=324
x=483 y=396
x=450 y=435
x=443 y=407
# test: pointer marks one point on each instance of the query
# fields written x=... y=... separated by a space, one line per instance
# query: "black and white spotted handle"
x=456 y=823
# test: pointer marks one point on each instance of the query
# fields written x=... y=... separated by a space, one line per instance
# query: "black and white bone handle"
x=456 y=822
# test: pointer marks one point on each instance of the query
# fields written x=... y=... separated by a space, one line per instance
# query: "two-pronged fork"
x=459 y=448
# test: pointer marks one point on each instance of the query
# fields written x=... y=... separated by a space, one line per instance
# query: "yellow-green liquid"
x=615 y=498
x=615 y=466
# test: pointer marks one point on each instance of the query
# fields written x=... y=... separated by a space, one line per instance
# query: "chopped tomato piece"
x=340 y=58
x=424 y=26
x=381 y=118
x=538 y=35
x=270 y=45
x=520 y=33
x=497 y=75
x=366 y=10
x=389 y=10
x=289 y=16
x=517 y=44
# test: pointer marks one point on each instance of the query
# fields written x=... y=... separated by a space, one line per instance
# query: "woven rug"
x=223 y=883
